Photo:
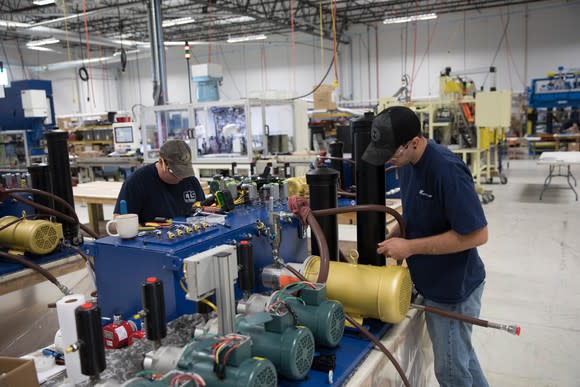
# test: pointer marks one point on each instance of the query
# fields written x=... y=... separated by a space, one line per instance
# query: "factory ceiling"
x=103 y=21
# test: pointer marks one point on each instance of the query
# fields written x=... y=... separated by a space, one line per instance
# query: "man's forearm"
x=447 y=243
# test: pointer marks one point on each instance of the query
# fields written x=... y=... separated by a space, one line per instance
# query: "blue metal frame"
x=12 y=113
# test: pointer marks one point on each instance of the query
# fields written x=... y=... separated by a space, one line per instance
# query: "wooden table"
x=94 y=195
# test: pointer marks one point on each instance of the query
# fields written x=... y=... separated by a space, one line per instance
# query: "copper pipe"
x=322 y=247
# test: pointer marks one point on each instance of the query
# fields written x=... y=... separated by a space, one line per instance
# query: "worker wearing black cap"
x=444 y=225
x=166 y=188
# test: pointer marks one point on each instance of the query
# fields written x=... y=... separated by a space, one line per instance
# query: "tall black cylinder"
x=246 y=273
x=335 y=149
x=90 y=338
x=322 y=185
x=154 y=306
x=40 y=178
x=56 y=142
x=370 y=189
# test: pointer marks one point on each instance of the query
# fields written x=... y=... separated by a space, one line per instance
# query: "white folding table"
x=559 y=160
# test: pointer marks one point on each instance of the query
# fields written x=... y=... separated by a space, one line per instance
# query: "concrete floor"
x=532 y=260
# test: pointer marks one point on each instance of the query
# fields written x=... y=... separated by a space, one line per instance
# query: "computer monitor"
x=124 y=134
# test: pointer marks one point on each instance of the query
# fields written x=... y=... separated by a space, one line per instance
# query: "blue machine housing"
x=122 y=265
x=555 y=92
x=12 y=113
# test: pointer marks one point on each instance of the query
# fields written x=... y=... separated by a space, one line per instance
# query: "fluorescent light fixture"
x=182 y=43
x=406 y=19
x=177 y=22
x=42 y=42
x=39 y=48
x=43 y=2
x=232 y=20
x=247 y=38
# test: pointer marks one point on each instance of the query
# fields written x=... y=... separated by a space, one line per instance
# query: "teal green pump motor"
x=221 y=361
x=323 y=317
x=277 y=338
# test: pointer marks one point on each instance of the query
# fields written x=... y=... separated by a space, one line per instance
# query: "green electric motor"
x=277 y=338
x=220 y=361
x=323 y=317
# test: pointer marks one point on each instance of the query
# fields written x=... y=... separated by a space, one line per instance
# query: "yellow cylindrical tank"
x=382 y=292
x=34 y=236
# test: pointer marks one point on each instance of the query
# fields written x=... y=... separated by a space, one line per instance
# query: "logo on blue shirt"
x=425 y=194
x=189 y=197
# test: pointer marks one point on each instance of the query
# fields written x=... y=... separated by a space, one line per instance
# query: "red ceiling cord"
x=293 y=48
x=334 y=50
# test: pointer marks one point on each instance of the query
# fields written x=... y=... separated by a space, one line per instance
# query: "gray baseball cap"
x=177 y=154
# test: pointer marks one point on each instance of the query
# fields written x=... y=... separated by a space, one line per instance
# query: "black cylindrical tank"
x=56 y=142
x=90 y=338
x=154 y=306
x=322 y=184
x=247 y=277
x=335 y=149
x=370 y=189
x=40 y=178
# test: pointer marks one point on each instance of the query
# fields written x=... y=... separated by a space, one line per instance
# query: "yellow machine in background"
x=34 y=236
x=471 y=124
x=382 y=292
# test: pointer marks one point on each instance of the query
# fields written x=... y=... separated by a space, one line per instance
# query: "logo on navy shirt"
x=425 y=194
x=189 y=197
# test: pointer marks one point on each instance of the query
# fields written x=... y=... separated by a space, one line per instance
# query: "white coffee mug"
x=127 y=226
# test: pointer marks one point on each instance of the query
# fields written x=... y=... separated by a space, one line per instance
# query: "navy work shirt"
x=438 y=195
x=149 y=196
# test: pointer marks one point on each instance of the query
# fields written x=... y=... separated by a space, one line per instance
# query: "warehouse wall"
x=462 y=41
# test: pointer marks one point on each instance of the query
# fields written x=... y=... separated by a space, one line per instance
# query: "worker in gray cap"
x=166 y=188
x=444 y=225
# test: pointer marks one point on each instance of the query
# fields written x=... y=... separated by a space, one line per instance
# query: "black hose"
x=365 y=332
x=87 y=259
x=39 y=269
x=50 y=210
x=83 y=74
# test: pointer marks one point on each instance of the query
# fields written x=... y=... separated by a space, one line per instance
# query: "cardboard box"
x=15 y=372
x=573 y=147
x=324 y=98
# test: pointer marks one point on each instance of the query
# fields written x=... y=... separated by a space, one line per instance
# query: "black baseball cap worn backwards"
x=177 y=155
x=391 y=128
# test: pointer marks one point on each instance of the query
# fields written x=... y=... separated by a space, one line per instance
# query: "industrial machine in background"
x=553 y=101
x=26 y=113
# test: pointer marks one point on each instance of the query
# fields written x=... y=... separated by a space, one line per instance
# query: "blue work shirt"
x=150 y=197
x=438 y=195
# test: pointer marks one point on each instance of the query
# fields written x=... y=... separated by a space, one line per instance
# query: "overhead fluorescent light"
x=247 y=38
x=43 y=2
x=406 y=19
x=39 y=48
x=177 y=22
x=232 y=20
x=182 y=43
x=42 y=42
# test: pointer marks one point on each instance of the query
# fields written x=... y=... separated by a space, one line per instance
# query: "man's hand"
x=396 y=248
